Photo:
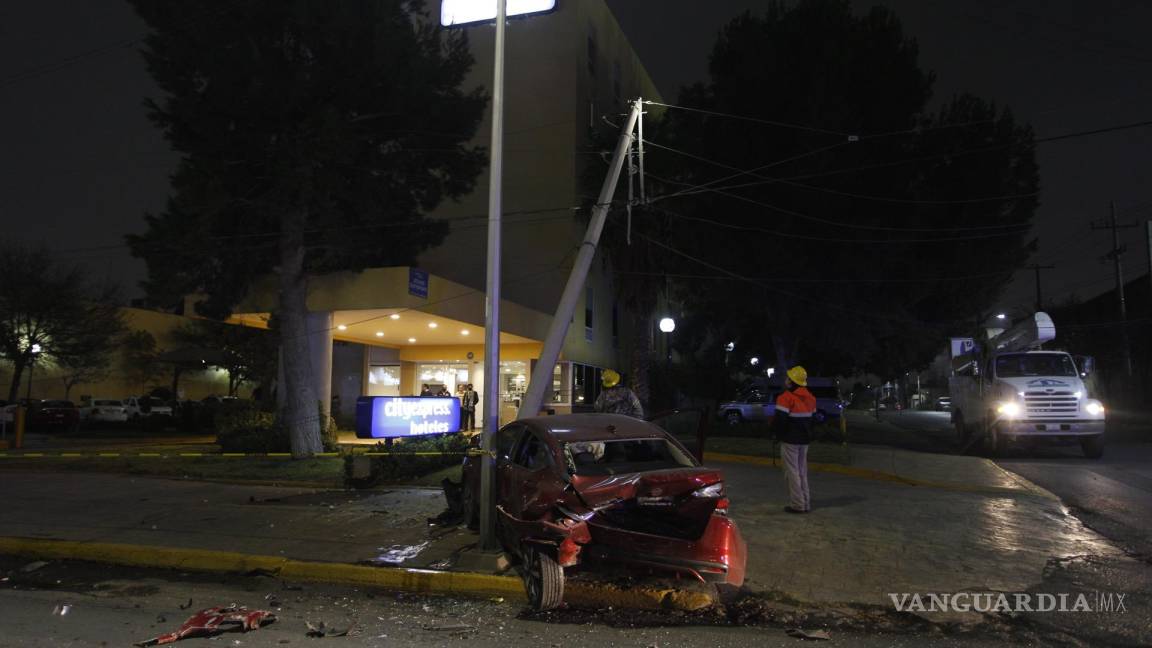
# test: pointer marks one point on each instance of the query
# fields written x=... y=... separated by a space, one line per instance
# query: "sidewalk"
x=892 y=521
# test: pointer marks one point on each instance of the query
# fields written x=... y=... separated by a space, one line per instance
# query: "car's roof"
x=595 y=427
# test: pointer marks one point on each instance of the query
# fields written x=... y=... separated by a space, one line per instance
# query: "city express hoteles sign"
x=389 y=417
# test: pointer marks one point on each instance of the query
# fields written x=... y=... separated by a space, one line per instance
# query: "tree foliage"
x=846 y=225
x=247 y=354
x=315 y=136
x=55 y=308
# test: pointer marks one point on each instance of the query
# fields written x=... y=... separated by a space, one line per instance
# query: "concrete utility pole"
x=1148 y=227
x=541 y=379
x=1114 y=255
x=1038 y=268
x=488 y=539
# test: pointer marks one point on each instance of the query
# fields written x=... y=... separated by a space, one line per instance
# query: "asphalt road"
x=1112 y=495
x=76 y=604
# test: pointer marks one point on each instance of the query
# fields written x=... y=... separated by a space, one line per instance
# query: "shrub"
x=408 y=458
x=244 y=429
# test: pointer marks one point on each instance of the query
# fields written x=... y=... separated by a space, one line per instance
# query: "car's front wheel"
x=543 y=579
x=470 y=505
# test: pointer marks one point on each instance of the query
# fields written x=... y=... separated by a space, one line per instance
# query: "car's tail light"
x=715 y=490
x=712 y=490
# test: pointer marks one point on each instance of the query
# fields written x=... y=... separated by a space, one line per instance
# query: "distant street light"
x=730 y=346
x=667 y=324
x=771 y=371
x=1001 y=316
x=755 y=361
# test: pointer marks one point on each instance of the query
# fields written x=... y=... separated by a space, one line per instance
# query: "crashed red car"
x=585 y=488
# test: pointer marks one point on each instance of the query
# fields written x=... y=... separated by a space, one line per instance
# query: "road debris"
x=451 y=627
x=62 y=609
x=323 y=630
x=211 y=621
x=33 y=566
x=815 y=635
x=187 y=605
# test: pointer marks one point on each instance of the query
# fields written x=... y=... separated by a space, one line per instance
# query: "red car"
x=584 y=488
x=54 y=414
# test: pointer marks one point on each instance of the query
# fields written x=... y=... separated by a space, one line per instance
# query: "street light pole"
x=488 y=540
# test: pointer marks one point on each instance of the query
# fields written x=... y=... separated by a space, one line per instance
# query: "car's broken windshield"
x=623 y=456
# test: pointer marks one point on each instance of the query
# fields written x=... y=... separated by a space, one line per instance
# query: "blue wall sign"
x=390 y=417
x=418 y=283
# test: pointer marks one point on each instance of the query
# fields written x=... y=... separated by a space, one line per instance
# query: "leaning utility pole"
x=541 y=379
x=1038 y=268
x=491 y=409
x=1114 y=255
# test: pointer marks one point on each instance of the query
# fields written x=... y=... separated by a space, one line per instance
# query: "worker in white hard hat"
x=792 y=425
x=616 y=398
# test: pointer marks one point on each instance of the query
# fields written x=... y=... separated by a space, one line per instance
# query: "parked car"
x=146 y=406
x=754 y=403
x=104 y=410
x=757 y=402
x=54 y=415
x=944 y=404
x=580 y=489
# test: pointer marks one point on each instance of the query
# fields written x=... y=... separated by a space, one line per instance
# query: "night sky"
x=82 y=164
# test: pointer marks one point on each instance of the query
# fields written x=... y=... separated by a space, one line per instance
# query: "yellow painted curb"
x=868 y=473
x=424 y=581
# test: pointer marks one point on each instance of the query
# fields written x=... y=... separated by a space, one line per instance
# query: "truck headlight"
x=1094 y=407
x=1008 y=409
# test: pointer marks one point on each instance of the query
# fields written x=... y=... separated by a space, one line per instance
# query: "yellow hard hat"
x=610 y=378
x=798 y=375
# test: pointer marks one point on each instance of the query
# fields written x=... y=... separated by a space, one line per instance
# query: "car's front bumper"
x=1051 y=428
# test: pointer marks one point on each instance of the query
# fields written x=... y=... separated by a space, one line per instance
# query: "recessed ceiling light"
x=379 y=333
x=465 y=332
x=411 y=339
x=432 y=325
x=342 y=327
x=395 y=316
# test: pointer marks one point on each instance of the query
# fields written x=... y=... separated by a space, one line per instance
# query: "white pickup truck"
x=144 y=406
x=1009 y=389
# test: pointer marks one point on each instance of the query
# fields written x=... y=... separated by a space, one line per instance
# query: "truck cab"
x=1020 y=391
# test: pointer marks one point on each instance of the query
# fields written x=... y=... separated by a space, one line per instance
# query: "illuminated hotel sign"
x=454 y=13
x=389 y=417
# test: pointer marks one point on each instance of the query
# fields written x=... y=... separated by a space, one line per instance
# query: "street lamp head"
x=36 y=348
x=1001 y=316
x=730 y=346
x=755 y=361
x=667 y=325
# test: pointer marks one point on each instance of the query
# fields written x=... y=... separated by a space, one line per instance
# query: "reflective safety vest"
x=792 y=421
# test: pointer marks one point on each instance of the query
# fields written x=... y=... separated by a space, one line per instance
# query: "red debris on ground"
x=215 y=620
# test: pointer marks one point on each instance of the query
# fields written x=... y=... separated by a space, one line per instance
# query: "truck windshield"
x=1035 y=364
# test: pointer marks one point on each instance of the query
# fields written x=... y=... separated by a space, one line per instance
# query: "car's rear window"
x=623 y=456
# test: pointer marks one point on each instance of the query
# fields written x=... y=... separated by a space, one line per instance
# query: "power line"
x=768 y=122
x=943 y=239
x=771 y=180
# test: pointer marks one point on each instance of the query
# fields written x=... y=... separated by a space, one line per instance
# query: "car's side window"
x=506 y=439
x=532 y=453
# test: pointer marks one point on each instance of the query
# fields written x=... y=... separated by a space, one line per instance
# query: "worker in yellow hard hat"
x=792 y=425
x=615 y=398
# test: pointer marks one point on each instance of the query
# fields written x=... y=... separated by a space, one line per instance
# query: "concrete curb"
x=423 y=581
x=878 y=475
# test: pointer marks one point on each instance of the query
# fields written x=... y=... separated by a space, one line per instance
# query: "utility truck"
x=1009 y=388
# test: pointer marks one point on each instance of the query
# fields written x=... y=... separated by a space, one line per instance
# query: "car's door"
x=533 y=480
